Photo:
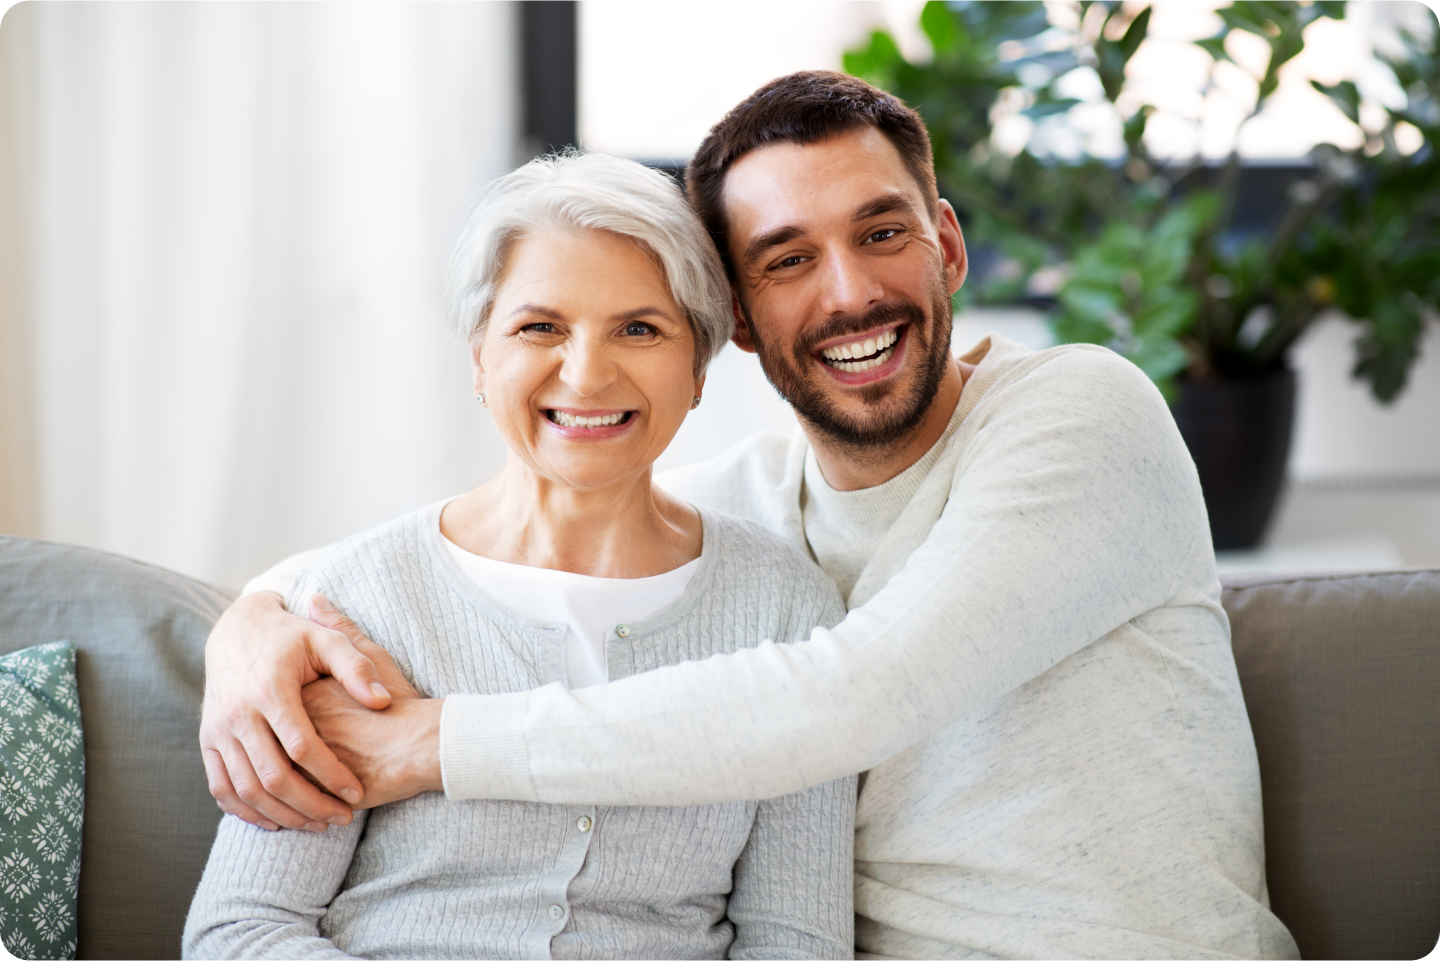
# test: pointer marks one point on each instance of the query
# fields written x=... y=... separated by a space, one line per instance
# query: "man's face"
x=844 y=282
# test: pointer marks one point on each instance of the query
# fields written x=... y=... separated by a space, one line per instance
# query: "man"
x=1035 y=669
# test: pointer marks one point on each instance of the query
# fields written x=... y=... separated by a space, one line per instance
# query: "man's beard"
x=882 y=424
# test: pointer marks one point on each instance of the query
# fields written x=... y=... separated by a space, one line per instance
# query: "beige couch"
x=1341 y=676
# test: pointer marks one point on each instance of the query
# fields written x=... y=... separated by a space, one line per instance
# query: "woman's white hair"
x=577 y=191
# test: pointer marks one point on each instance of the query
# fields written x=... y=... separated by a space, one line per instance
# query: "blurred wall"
x=19 y=476
x=223 y=233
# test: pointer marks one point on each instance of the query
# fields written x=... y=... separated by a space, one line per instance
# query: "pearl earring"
x=695 y=403
x=481 y=398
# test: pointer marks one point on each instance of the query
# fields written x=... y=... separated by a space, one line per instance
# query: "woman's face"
x=587 y=363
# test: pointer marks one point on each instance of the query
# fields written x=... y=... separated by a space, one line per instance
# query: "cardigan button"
x=557 y=912
x=584 y=824
x=622 y=630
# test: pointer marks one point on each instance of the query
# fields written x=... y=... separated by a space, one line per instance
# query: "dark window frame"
x=549 y=55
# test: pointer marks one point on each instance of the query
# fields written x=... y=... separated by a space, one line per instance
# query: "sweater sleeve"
x=1075 y=508
x=263 y=893
x=794 y=894
x=280 y=578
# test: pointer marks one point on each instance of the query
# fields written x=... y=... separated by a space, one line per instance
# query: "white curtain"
x=223 y=229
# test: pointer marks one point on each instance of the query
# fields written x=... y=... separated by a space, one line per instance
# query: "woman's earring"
x=481 y=399
x=695 y=403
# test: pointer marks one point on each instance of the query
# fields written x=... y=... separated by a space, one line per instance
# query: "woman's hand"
x=394 y=752
x=253 y=723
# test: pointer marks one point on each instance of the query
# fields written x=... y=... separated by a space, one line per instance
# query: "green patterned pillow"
x=42 y=800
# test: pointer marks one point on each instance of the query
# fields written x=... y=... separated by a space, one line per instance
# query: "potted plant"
x=1146 y=256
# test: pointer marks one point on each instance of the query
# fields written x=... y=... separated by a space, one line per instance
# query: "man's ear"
x=952 y=244
x=742 y=337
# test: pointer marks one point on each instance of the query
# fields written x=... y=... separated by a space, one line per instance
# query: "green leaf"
x=1045 y=107
x=1076 y=329
x=1215 y=46
x=1159 y=356
x=1135 y=34
x=1345 y=94
x=876 y=62
x=1388 y=347
x=939 y=25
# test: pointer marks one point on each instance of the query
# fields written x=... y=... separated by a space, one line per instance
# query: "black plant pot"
x=1238 y=431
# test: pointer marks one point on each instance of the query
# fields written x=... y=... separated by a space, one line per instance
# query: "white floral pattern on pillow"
x=42 y=801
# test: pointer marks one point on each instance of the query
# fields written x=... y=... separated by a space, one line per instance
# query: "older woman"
x=592 y=300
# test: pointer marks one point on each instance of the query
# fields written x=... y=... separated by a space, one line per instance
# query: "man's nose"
x=588 y=367
x=849 y=285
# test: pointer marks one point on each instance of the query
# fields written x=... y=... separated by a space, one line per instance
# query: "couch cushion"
x=139 y=634
x=42 y=800
x=1342 y=681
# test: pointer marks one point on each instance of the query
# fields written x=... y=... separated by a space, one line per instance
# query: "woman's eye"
x=637 y=329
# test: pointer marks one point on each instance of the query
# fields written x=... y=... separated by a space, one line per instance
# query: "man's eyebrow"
x=888 y=204
x=757 y=247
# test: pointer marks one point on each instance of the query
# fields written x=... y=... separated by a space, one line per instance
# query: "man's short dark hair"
x=803 y=108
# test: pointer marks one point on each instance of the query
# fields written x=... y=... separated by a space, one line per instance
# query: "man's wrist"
x=424 y=771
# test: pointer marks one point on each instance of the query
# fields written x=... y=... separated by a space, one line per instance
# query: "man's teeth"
x=570 y=420
x=861 y=355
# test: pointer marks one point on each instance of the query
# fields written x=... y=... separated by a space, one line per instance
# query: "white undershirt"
x=590 y=606
x=844 y=528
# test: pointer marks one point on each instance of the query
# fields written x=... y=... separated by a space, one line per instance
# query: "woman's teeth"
x=570 y=420
x=862 y=355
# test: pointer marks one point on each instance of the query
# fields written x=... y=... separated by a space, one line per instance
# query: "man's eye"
x=881 y=235
x=792 y=261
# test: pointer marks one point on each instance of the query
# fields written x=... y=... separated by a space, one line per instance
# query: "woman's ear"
x=477 y=366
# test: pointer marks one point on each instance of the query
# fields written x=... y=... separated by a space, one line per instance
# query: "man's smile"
x=863 y=352
x=864 y=358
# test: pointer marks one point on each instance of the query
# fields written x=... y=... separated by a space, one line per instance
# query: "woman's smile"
x=589 y=425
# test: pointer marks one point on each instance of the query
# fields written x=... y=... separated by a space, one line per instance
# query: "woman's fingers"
x=340 y=657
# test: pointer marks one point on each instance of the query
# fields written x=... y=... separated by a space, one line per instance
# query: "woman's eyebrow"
x=536 y=309
x=639 y=312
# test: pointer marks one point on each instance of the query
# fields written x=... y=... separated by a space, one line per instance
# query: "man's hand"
x=253 y=724
x=395 y=752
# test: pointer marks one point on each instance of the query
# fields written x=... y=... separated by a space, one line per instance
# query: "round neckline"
x=636 y=583
x=700 y=582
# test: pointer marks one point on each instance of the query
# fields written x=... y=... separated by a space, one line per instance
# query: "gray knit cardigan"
x=431 y=878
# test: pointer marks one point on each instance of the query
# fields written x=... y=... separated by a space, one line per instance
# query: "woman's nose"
x=588 y=368
x=850 y=287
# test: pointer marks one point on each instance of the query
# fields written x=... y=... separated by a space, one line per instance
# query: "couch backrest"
x=1342 y=680
x=139 y=632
